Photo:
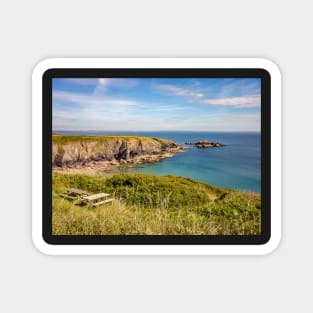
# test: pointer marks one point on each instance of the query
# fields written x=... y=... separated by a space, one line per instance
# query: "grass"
x=65 y=139
x=162 y=205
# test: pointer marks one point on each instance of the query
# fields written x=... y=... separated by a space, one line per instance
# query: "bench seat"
x=102 y=202
x=68 y=196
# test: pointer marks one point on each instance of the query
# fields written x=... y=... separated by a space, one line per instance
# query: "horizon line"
x=160 y=131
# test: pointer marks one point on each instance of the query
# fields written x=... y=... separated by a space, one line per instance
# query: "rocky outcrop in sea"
x=204 y=144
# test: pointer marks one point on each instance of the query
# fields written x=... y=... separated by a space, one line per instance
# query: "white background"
x=33 y=30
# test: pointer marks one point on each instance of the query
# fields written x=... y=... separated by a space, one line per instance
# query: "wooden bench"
x=103 y=202
x=64 y=195
x=74 y=194
x=97 y=199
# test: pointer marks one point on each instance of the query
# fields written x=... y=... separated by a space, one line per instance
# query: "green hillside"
x=148 y=204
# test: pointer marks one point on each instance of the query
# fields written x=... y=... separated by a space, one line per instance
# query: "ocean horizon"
x=237 y=165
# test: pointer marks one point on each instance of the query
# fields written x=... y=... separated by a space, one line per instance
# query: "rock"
x=58 y=160
x=204 y=144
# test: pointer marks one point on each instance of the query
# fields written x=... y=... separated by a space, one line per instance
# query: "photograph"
x=156 y=156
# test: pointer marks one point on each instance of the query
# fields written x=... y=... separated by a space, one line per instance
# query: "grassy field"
x=160 y=205
x=65 y=139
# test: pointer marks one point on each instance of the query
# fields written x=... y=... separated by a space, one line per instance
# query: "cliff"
x=73 y=151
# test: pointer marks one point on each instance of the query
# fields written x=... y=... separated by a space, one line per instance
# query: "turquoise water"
x=236 y=165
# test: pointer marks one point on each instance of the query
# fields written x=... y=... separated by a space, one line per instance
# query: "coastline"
x=108 y=155
x=109 y=168
x=235 y=165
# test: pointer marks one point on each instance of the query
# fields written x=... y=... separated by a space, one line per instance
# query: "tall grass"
x=147 y=204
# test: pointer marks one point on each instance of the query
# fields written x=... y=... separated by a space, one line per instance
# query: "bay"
x=237 y=165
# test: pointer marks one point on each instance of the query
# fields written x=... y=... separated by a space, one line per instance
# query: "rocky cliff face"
x=82 y=151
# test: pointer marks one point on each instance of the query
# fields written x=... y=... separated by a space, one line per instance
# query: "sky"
x=155 y=104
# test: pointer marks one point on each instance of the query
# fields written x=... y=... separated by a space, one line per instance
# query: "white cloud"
x=84 y=111
x=105 y=104
x=132 y=121
x=180 y=91
x=101 y=86
x=247 y=101
x=88 y=100
x=251 y=101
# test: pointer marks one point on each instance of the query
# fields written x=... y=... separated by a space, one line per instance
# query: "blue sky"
x=153 y=104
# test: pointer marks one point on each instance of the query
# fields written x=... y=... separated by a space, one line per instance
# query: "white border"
x=155 y=63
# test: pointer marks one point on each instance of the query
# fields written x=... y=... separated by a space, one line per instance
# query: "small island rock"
x=204 y=144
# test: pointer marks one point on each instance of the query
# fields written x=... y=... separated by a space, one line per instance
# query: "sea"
x=237 y=165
